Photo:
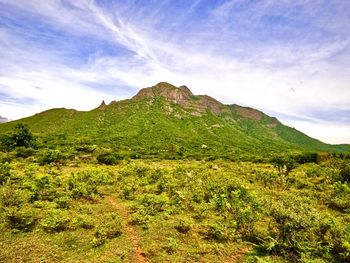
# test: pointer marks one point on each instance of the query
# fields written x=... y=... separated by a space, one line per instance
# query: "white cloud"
x=326 y=132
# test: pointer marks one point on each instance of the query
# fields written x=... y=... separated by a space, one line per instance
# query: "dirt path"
x=129 y=231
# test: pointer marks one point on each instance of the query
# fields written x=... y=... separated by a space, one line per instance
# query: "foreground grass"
x=173 y=211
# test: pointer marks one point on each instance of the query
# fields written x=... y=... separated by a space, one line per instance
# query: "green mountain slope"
x=165 y=115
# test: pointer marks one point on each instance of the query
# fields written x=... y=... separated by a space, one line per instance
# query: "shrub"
x=83 y=221
x=4 y=172
x=13 y=196
x=86 y=148
x=107 y=231
x=108 y=158
x=24 y=152
x=55 y=221
x=340 y=198
x=43 y=187
x=154 y=203
x=20 y=218
x=221 y=230
x=172 y=245
x=344 y=172
x=307 y=158
x=51 y=156
x=184 y=225
x=141 y=217
x=21 y=136
x=63 y=201
x=297 y=229
x=83 y=185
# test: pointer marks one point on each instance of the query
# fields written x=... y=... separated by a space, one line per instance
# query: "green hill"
x=166 y=118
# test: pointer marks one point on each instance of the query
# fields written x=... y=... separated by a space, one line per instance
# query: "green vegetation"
x=152 y=180
x=184 y=211
x=155 y=124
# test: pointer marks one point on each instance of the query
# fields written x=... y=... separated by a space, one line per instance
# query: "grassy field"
x=174 y=211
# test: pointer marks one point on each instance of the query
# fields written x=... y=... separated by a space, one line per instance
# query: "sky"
x=288 y=58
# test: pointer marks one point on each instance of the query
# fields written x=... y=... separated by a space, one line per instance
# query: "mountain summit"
x=164 y=115
x=180 y=95
x=166 y=90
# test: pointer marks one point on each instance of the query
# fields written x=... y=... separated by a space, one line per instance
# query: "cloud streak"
x=247 y=52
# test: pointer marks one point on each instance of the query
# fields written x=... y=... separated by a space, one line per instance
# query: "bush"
x=55 y=221
x=21 y=136
x=43 y=187
x=13 y=196
x=20 y=218
x=344 y=172
x=340 y=199
x=4 y=172
x=51 y=156
x=83 y=221
x=221 y=231
x=154 y=203
x=107 y=231
x=108 y=158
x=23 y=152
x=307 y=158
x=172 y=245
x=184 y=225
x=83 y=185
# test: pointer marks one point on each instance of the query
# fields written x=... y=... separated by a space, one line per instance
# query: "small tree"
x=21 y=136
x=284 y=166
x=344 y=172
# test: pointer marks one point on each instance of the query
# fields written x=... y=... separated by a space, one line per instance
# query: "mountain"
x=164 y=116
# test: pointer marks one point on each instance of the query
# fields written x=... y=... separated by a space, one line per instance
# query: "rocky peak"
x=166 y=90
x=186 y=90
x=102 y=105
x=181 y=95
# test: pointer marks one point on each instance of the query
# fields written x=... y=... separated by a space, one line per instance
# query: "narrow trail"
x=129 y=231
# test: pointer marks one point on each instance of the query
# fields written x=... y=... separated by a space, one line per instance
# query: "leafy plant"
x=21 y=136
x=108 y=158
x=55 y=221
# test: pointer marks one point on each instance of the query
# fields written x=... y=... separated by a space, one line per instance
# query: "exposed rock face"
x=181 y=95
x=102 y=106
x=170 y=92
x=248 y=112
x=274 y=122
x=211 y=103
x=197 y=104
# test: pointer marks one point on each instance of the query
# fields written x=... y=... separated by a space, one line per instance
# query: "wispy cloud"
x=288 y=58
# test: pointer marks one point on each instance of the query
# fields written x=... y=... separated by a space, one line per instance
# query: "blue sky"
x=290 y=59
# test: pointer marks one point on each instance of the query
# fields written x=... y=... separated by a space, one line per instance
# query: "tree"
x=21 y=136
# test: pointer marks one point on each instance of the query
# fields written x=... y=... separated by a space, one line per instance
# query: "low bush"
x=108 y=158
x=221 y=231
x=56 y=220
x=344 y=172
x=184 y=225
x=83 y=221
x=20 y=218
x=107 y=231
x=340 y=199
x=24 y=152
x=51 y=156
x=4 y=172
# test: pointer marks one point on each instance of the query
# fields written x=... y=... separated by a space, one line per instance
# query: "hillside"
x=164 y=116
x=168 y=176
